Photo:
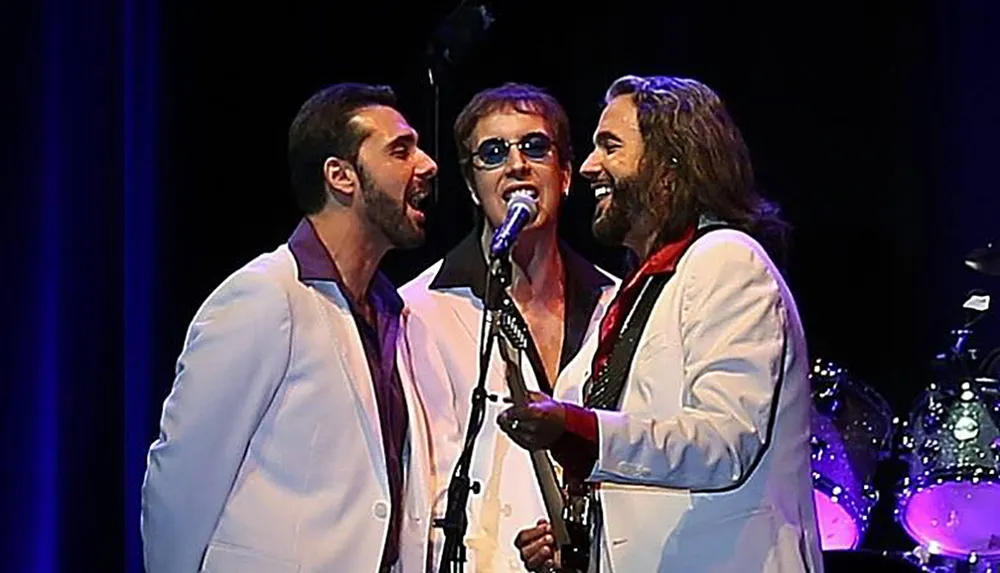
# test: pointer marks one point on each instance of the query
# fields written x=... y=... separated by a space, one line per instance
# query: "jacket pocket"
x=225 y=558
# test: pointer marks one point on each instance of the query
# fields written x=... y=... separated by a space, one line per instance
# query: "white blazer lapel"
x=470 y=315
x=347 y=342
x=419 y=496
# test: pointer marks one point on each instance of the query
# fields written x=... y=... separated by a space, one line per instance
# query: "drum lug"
x=826 y=379
x=919 y=555
x=871 y=492
x=819 y=447
x=935 y=416
x=902 y=439
x=928 y=452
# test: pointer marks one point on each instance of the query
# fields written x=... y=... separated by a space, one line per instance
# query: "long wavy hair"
x=687 y=130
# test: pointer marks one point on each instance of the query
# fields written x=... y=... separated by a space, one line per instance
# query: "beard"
x=624 y=209
x=389 y=215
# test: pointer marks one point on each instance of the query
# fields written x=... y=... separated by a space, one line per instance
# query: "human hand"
x=537 y=547
x=535 y=425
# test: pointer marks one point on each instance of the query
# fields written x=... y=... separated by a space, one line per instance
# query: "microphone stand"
x=960 y=352
x=452 y=39
x=455 y=521
x=435 y=69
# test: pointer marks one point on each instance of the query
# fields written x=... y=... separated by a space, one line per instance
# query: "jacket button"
x=380 y=509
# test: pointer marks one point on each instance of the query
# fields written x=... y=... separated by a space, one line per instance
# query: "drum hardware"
x=949 y=500
x=918 y=560
x=855 y=561
x=931 y=562
x=961 y=360
x=851 y=429
x=985 y=260
x=942 y=464
x=990 y=366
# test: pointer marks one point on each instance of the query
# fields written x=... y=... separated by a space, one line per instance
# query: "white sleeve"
x=235 y=356
x=733 y=332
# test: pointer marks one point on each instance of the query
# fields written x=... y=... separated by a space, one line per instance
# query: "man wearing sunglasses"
x=290 y=440
x=511 y=139
x=696 y=405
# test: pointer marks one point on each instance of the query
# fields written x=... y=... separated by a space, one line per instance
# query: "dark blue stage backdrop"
x=146 y=163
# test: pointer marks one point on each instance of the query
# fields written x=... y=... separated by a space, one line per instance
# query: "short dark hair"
x=685 y=127
x=321 y=129
x=525 y=98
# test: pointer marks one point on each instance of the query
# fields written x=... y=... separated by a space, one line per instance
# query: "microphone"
x=522 y=208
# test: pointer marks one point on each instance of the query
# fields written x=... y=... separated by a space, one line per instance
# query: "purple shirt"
x=379 y=341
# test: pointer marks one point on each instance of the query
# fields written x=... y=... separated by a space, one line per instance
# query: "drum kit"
x=947 y=499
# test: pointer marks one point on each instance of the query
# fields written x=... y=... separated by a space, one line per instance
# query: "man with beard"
x=695 y=409
x=513 y=138
x=289 y=441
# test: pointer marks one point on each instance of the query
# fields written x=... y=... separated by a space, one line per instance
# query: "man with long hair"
x=695 y=408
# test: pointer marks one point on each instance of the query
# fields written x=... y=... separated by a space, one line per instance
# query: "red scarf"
x=662 y=261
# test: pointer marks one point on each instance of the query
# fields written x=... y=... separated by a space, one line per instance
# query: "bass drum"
x=851 y=430
x=848 y=561
x=950 y=499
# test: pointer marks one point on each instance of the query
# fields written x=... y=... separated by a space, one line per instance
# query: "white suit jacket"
x=706 y=467
x=444 y=329
x=270 y=456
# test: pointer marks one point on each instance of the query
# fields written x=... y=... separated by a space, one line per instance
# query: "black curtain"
x=146 y=163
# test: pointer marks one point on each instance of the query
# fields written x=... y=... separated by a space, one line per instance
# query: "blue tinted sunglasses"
x=493 y=152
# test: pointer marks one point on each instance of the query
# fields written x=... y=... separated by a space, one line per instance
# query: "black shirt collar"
x=465 y=267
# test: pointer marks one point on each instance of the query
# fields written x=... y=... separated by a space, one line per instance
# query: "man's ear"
x=472 y=189
x=340 y=176
x=567 y=179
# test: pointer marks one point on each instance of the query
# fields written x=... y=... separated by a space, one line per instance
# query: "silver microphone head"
x=528 y=200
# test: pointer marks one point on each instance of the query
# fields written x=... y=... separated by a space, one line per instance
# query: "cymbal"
x=985 y=260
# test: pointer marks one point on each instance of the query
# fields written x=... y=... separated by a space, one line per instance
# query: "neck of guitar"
x=573 y=538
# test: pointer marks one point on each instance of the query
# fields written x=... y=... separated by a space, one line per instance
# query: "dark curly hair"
x=685 y=128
